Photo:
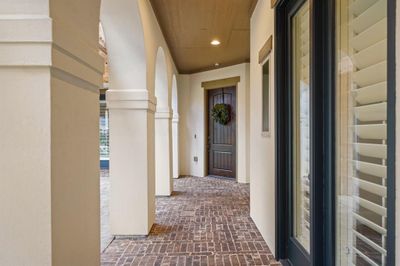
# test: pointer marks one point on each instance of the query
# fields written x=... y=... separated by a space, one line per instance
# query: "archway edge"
x=174 y=96
x=123 y=28
x=162 y=84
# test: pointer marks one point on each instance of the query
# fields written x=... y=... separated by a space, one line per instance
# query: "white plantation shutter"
x=367 y=131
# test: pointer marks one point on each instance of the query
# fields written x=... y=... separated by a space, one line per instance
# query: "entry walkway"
x=205 y=222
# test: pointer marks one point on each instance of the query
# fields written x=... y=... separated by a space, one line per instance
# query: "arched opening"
x=131 y=108
x=163 y=127
x=104 y=148
x=174 y=95
x=122 y=25
x=161 y=82
x=56 y=85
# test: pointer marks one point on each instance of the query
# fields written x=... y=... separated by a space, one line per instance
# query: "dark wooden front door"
x=222 y=138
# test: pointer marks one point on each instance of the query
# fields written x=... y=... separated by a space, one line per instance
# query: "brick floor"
x=205 y=222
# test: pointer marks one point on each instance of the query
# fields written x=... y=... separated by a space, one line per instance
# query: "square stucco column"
x=132 y=175
x=49 y=128
x=163 y=133
x=175 y=145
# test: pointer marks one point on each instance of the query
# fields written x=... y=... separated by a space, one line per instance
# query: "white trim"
x=131 y=99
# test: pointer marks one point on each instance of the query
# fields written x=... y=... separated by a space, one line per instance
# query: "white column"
x=49 y=135
x=25 y=142
x=163 y=141
x=132 y=176
x=175 y=145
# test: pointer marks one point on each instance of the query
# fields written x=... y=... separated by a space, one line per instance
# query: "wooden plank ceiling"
x=190 y=25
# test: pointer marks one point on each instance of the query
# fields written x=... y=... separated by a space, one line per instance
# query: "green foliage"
x=221 y=113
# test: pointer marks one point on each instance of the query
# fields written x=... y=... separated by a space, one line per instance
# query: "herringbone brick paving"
x=205 y=222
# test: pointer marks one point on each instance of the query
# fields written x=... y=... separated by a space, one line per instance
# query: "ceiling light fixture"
x=215 y=42
x=216 y=64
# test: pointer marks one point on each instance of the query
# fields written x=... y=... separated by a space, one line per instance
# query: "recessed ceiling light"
x=215 y=42
x=216 y=64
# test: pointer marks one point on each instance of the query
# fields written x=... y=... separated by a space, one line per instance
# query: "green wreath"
x=221 y=113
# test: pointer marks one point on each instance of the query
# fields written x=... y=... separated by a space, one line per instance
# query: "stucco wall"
x=133 y=67
x=154 y=39
x=25 y=164
x=262 y=148
x=192 y=117
x=397 y=134
x=74 y=132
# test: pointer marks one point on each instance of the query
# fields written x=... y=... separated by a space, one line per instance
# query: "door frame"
x=322 y=109
x=211 y=85
x=320 y=116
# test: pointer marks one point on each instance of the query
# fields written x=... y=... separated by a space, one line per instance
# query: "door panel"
x=222 y=138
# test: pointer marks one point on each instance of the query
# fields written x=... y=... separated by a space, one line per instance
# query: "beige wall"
x=74 y=132
x=75 y=174
x=153 y=40
x=185 y=157
x=192 y=117
x=25 y=163
x=74 y=127
x=262 y=148
x=397 y=134
x=137 y=61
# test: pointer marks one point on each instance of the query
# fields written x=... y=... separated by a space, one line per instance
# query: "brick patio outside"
x=104 y=208
x=205 y=222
